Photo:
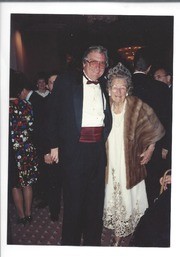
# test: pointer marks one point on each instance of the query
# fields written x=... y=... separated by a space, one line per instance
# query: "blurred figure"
x=25 y=92
x=23 y=160
x=130 y=146
x=153 y=229
x=163 y=75
x=51 y=78
x=41 y=85
x=51 y=175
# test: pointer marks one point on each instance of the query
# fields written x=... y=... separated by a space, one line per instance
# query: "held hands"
x=55 y=155
x=52 y=156
x=146 y=155
x=47 y=158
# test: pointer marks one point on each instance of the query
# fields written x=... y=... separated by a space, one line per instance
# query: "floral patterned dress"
x=24 y=152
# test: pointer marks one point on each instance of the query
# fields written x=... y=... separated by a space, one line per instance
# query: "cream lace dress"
x=122 y=208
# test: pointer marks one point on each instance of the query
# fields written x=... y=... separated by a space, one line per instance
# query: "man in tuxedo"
x=79 y=124
x=156 y=95
x=163 y=74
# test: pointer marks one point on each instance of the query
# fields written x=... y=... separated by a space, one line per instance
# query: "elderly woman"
x=130 y=146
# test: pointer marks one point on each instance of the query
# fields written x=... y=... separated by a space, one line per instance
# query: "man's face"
x=95 y=65
x=51 y=82
x=162 y=76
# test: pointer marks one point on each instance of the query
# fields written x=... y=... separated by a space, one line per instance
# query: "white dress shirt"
x=93 y=105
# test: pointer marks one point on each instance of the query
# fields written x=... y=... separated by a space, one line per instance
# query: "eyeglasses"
x=94 y=64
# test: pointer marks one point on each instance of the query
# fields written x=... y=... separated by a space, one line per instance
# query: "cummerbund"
x=91 y=134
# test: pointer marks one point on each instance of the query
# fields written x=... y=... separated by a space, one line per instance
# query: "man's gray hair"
x=99 y=49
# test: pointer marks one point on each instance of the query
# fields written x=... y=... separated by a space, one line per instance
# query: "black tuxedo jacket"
x=65 y=116
x=37 y=103
x=156 y=95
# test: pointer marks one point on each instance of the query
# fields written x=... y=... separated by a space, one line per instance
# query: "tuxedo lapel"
x=78 y=102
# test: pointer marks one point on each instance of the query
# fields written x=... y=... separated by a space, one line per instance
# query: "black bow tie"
x=91 y=81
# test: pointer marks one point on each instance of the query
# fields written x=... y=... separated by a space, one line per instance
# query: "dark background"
x=47 y=38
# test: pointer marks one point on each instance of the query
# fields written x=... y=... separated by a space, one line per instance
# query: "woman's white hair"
x=120 y=71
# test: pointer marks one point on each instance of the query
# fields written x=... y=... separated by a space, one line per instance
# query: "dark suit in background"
x=156 y=95
x=52 y=174
x=38 y=105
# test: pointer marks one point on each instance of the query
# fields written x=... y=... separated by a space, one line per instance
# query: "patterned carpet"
x=43 y=231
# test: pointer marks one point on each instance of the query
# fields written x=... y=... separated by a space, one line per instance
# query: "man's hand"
x=165 y=181
x=164 y=153
x=54 y=155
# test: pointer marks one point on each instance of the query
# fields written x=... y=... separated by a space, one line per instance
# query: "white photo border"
x=115 y=8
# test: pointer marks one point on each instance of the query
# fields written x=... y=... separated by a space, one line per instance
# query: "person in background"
x=130 y=146
x=25 y=92
x=23 y=159
x=51 y=78
x=155 y=94
x=41 y=85
x=52 y=175
x=153 y=229
x=78 y=126
x=161 y=73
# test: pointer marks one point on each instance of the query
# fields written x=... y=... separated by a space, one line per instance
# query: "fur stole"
x=141 y=128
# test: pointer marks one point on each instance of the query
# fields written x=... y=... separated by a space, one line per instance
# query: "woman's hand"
x=47 y=158
x=55 y=155
x=147 y=154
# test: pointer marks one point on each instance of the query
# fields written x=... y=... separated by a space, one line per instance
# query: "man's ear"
x=169 y=79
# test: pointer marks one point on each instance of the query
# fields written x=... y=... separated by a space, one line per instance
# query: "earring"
x=126 y=94
x=109 y=94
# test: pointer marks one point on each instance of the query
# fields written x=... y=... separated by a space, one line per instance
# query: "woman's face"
x=118 y=90
x=41 y=84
